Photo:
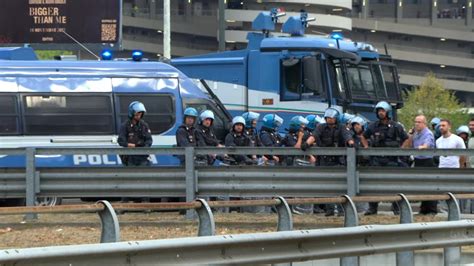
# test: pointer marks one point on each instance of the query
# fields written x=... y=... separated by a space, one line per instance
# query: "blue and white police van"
x=83 y=103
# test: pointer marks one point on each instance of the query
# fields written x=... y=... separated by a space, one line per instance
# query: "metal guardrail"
x=110 y=230
x=253 y=248
x=278 y=247
x=191 y=181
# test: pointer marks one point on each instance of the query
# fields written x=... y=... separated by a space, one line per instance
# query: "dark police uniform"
x=186 y=137
x=270 y=138
x=138 y=134
x=361 y=160
x=290 y=140
x=206 y=138
x=254 y=137
x=327 y=136
x=234 y=139
x=331 y=136
x=307 y=134
x=385 y=135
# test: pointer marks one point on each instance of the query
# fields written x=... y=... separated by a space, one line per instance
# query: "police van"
x=83 y=103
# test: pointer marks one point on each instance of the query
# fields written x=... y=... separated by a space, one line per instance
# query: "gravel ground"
x=68 y=229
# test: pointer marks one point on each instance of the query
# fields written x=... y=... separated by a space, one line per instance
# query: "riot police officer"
x=357 y=130
x=251 y=119
x=463 y=132
x=205 y=134
x=295 y=135
x=313 y=122
x=135 y=132
x=186 y=135
x=269 y=133
x=237 y=138
x=435 y=127
x=330 y=134
x=384 y=133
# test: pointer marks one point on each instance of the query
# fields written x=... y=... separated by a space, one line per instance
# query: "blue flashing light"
x=106 y=55
x=137 y=55
x=336 y=36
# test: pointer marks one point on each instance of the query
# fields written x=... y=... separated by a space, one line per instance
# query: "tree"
x=432 y=100
x=50 y=54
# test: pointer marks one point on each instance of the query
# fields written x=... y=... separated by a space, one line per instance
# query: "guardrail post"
x=285 y=218
x=406 y=216
x=30 y=182
x=109 y=222
x=352 y=183
x=190 y=180
x=452 y=255
x=285 y=221
x=207 y=226
x=350 y=219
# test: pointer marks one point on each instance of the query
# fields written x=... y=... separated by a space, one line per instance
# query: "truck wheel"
x=48 y=201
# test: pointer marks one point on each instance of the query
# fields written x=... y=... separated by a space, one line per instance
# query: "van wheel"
x=48 y=201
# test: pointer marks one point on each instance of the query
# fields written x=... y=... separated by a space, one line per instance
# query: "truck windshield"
x=304 y=78
x=368 y=81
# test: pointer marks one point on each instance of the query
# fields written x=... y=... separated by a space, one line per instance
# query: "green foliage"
x=50 y=54
x=432 y=100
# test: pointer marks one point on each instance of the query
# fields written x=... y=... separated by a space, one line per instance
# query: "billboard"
x=60 y=21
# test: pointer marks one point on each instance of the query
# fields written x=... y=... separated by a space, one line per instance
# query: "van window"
x=64 y=114
x=291 y=80
x=8 y=115
x=301 y=78
x=160 y=110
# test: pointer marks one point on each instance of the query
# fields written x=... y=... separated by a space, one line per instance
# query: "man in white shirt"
x=450 y=141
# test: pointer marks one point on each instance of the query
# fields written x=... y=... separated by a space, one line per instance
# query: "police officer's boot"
x=330 y=210
x=319 y=208
x=373 y=207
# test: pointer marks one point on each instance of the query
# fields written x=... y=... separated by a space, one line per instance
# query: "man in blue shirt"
x=423 y=139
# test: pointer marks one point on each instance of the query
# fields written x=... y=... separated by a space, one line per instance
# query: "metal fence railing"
x=254 y=248
x=283 y=247
x=193 y=181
